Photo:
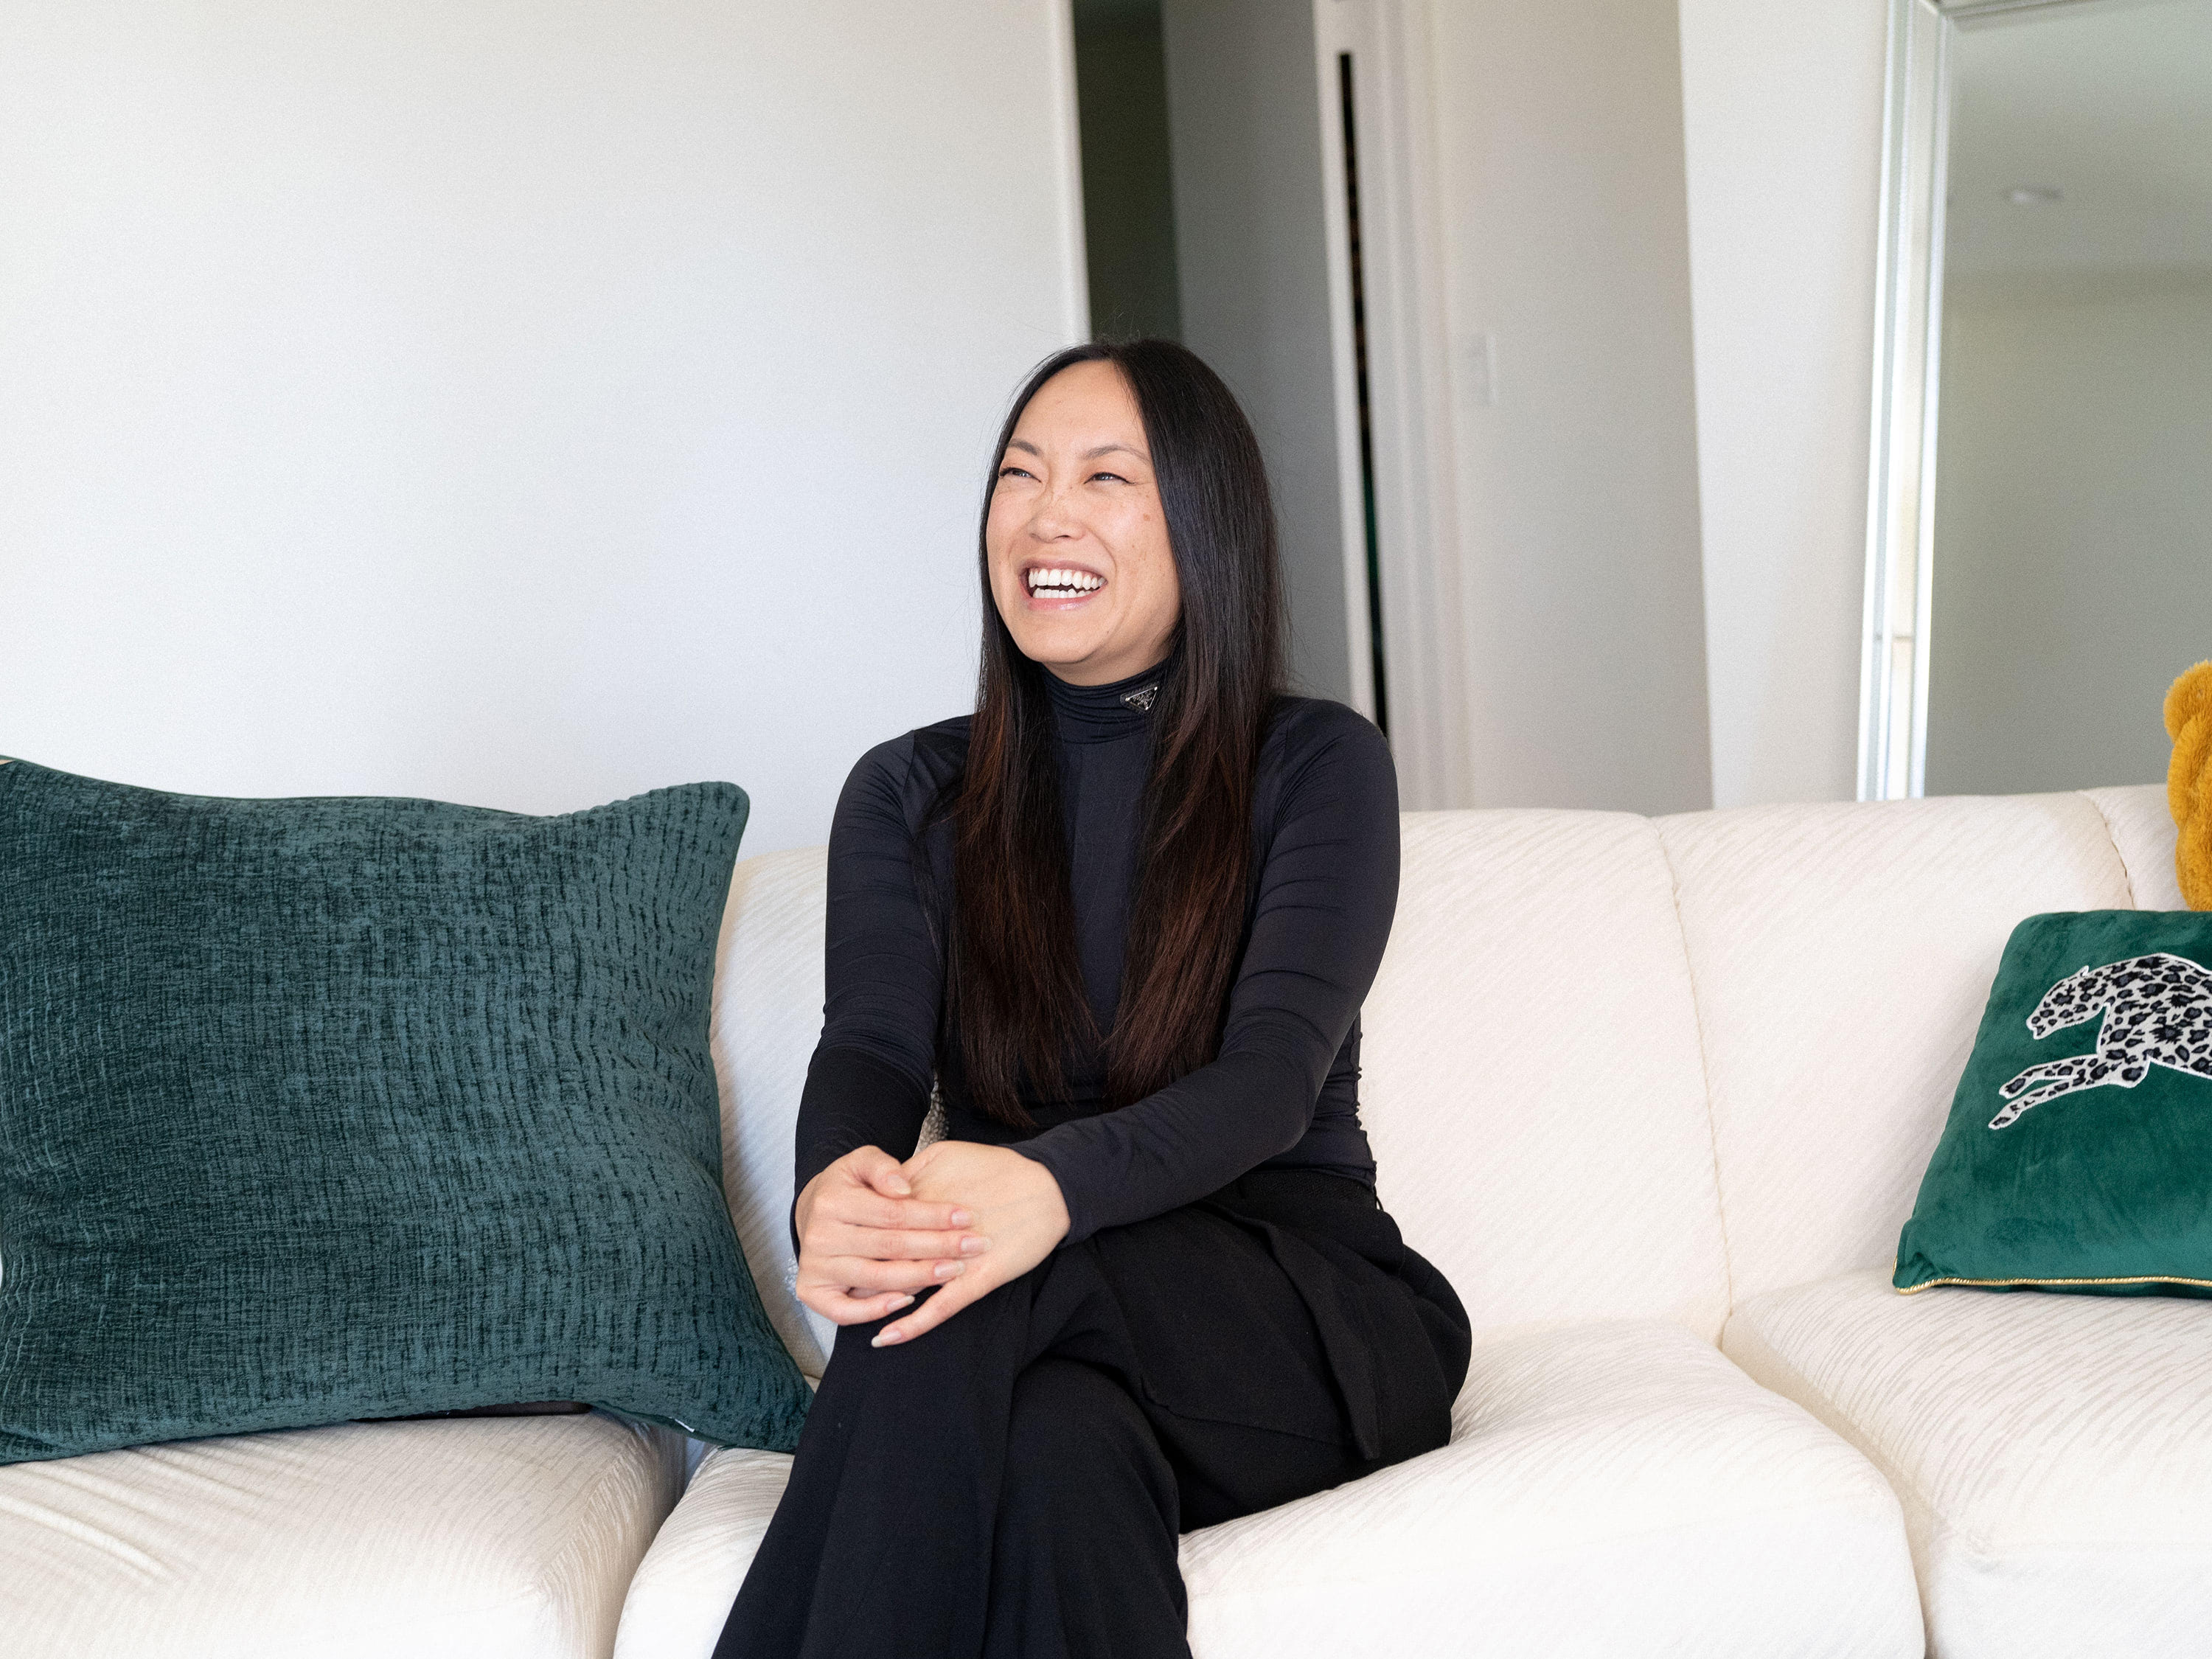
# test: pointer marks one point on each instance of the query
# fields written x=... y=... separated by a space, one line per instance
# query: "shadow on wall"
x=1128 y=184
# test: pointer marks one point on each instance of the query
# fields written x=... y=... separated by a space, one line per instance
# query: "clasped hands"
x=962 y=1216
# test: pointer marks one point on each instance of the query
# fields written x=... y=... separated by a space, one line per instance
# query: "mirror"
x=2039 y=560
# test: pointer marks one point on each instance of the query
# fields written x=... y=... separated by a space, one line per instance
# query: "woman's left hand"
x=1016 y=1205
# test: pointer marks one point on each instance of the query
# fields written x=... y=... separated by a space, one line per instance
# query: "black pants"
x=1011 y=1485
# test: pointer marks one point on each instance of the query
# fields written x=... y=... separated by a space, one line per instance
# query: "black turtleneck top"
x=1284 y=1092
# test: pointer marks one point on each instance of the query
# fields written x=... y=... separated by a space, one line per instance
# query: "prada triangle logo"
x=1141 y=698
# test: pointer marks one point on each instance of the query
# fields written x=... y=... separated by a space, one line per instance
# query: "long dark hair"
x=1014 y=984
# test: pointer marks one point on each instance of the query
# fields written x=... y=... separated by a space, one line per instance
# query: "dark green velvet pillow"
x=2078 y=1156
x=321 y=1109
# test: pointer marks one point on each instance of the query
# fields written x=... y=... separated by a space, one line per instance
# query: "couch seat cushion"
x=480 y=1539
x=2054 y=1453
x=1610 y=1490
x=682 y=1591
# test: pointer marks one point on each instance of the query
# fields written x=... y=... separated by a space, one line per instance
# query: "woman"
x=1124 y=916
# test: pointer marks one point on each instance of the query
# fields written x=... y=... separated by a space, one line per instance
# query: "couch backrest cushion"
x=768 y=1015
x=1541 y=1048
x=2142 y=825
x=1533 y=1085
x=1842 y=955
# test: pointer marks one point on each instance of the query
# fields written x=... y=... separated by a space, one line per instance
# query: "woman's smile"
x=1060 y=585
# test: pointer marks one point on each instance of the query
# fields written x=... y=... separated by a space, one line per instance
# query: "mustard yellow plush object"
x=2189 y=782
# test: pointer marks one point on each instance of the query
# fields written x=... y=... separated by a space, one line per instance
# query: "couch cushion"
x=478 y=1539
x=1610 y=1490
x=2054 y=1453
x=1532 y=1084
x=2142 y=826
x=1842 y=955
x=767 y=1018
x=683 y=1589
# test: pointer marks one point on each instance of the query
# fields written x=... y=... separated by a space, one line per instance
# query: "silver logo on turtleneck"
x=1141 y=698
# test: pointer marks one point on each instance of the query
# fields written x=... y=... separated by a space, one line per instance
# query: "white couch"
x=1656 y=1095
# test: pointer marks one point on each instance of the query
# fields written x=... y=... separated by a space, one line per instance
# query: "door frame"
x=1408 y=457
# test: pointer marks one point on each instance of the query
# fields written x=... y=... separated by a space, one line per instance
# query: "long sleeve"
x=868 y=1083
x=1327 y=889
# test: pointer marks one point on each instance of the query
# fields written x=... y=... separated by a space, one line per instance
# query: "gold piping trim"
x=2139 y=1278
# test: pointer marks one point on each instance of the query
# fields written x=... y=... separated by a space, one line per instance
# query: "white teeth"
x=1071 y=581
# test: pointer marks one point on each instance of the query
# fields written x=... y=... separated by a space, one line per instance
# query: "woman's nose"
x=1054 y=518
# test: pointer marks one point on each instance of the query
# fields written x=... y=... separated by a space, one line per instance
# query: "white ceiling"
x=2110 y=103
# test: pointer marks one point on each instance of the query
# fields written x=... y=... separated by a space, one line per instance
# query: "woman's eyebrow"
x=1028 y=448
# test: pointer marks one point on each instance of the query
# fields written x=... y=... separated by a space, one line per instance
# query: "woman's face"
x=1080 y=566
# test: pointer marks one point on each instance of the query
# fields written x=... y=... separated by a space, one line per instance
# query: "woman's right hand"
x=865 y=1245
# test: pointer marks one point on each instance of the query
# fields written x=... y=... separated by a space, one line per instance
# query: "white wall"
x=527 y=401
x=1559 y=131
x=2073 y=530
x=1783 y=106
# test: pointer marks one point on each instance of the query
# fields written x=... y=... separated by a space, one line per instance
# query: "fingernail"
x=950 y=1269
x=896 y=1305
x=901 y=1187
x=884 y=1339
x=974 y=1246
x=961 y=1218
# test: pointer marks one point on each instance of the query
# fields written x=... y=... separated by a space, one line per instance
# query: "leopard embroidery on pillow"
x=2157 y=1011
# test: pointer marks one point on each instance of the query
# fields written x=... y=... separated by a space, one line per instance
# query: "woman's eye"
x=1114 y=478
x=1012 y=472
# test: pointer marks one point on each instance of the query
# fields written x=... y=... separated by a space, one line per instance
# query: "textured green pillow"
x=321 y=1109
x=2078 y=1156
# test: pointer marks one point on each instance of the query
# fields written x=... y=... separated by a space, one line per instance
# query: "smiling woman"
x=1122 y=918
x=1079 y=565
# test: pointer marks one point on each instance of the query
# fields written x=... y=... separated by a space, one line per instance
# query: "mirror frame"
x=1908 y=340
